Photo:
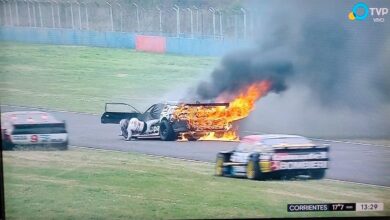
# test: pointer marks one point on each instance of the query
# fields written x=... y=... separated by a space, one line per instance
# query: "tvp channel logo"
x=361 y=11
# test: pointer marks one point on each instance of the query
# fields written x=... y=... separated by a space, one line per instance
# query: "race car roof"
x=274 y=139
x=28 y=117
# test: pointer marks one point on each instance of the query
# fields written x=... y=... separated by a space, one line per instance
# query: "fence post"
x=80 y=23
x=121 y=15
x=244 y=12
x=197 y=19
x=40 y=14
x=34 y=13
x=137 y=13
x=71 y=14
x=192 y=23
x=52 y=15
x=220 y=24
x=86 y=15
x=177 y=9
x=213 y=11
x=10 y=13
x=17 y=13
x=111 y=18
x=28 y=13
x=160 y=19
x=5 y=12
x=59 y=14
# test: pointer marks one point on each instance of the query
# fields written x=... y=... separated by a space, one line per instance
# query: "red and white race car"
x=33 y=128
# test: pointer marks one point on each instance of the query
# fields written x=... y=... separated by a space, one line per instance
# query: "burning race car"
x=268 y=156
x=32 y=128
x=174 y=120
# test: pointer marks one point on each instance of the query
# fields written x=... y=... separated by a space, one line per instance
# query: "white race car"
x=269 y=156
x=33 y=128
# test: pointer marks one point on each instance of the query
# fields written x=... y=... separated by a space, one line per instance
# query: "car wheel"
x=219 y=170
x=317 y=174
x=7 y=145
x=166 y=131
x=253 y=169
x=63 y=146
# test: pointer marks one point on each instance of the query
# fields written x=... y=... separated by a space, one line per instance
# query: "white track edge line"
x=211 y=163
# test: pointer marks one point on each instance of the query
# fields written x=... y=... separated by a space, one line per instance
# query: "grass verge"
x=79 y=78
x=82 y=184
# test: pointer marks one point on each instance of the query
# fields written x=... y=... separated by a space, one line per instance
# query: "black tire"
x=220 y=170
x=63 y=146
x=7 y=145
x=253 y=169
x=166 y=131
x=317 y=174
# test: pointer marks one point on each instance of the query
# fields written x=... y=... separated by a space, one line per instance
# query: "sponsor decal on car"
x=310 y=156
x=303 y=165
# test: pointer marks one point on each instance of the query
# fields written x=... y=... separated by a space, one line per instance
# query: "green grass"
x=87 y=184
x=78 y=78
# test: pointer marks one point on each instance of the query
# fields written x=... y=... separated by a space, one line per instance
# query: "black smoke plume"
x=240 y=69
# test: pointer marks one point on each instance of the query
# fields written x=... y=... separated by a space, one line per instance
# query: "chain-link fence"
x=126 y=16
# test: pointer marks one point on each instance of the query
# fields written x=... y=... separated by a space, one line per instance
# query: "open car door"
x=114 y=112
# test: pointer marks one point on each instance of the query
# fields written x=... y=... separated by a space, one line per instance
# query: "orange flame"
x=221 y=118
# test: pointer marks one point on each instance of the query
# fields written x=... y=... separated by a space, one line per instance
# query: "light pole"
x=213 y=12
x=177 y=9
x=160 y=19
x=192 y=23
x=244 y=12
x=137 y=13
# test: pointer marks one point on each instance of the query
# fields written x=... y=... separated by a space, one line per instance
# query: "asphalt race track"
x=349 y=161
